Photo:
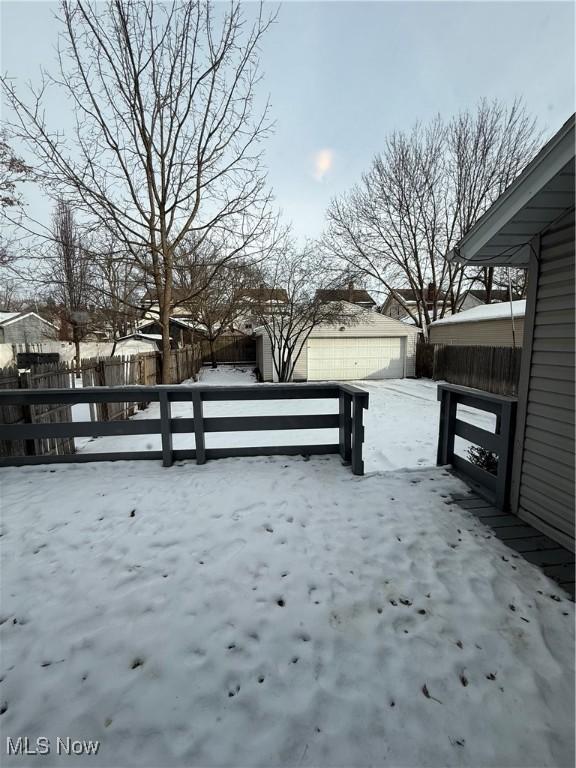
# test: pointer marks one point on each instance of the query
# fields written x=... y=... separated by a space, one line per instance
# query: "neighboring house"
x=244 y=322
x=352 y=295
x=25 y=328
x=397 y=309
x=263 y=297
x=264 y=294
x=372 y=347
x=531 y=225
x=491 y=325
x=477 y=297
x=183 y=331
x=403 y=299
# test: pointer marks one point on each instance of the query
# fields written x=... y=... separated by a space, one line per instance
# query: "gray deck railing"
x=495 y=487
x=349 y=421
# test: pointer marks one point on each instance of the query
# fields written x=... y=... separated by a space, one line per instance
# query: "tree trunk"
x=76 y=338
x=165 y=325
x=212 y=353
x=489 y=284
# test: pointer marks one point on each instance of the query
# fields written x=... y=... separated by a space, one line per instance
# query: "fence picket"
x=492 y=369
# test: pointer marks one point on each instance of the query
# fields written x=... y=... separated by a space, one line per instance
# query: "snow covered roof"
x=183 y=321
x=11 y=317
x=6 y=316
x=137 y=336
x=499 y=311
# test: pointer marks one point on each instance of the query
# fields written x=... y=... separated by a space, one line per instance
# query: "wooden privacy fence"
x=348 y=421
x=230 y=349
x=185 y=363
x=118 y=372
x=495 y=487
x=492 y=369
x=39 y=377
x=424 y=360
x=141 y=369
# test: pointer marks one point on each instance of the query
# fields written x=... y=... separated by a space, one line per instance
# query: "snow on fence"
x=348 y=421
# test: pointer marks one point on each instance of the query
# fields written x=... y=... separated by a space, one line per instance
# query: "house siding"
x=543 y=476
x=489 y=333
x=28 y=330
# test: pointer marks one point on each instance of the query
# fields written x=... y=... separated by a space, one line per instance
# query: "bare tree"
x=13 y=170
x=10 y=299
x=421 y=195
x=117 y=290
x=289 y=321
x=220 y=307
x=167 y=141
x=491 y=279
x=68 y=273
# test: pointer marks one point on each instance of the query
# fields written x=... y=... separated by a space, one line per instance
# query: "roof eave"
x=551 y=159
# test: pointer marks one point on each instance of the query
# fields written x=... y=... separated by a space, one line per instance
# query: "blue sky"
x=341 y=75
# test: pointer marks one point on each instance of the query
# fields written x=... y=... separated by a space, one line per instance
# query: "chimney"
x=431 y=294
x=350 y=291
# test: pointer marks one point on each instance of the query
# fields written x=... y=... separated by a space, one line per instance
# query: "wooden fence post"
x=199 y=428
x=345 y=427
x=357 y=434
x=507 y=426
x=448 y=407
x=29 y=445
x=165 y=413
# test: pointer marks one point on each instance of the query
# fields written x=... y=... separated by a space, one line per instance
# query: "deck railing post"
x=507 y=425
x=166 y=431
x=345 y=427
x=357 y=434
x=199 y=427
x=448 y=406
x=29 y=445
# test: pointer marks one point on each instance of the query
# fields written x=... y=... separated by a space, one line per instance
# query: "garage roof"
x=541 y=194
x=501 y=310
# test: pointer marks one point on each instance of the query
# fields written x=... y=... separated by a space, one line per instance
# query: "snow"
x=497 y=311
x=278 y=612
x=7 y=316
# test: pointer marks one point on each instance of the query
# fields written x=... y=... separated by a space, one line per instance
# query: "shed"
x=491 y=325
x=183 y=330
x=531 y=225
x=137 y=342
x=372 y=347
x=25 y=328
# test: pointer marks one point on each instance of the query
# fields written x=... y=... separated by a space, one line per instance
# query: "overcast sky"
x=341 y=75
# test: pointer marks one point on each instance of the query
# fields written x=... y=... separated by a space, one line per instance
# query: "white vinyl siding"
x=345 y=359
x=544 y=483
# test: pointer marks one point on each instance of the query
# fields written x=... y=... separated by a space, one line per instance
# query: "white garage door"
x=343 y=359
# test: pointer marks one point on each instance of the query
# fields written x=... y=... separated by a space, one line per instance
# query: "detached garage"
x=373 y=347
x=491 y=325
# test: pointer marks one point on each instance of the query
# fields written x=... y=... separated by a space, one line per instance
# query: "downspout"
x=511 y=310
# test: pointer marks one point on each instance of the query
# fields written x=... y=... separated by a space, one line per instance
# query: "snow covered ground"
x=277 y=612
